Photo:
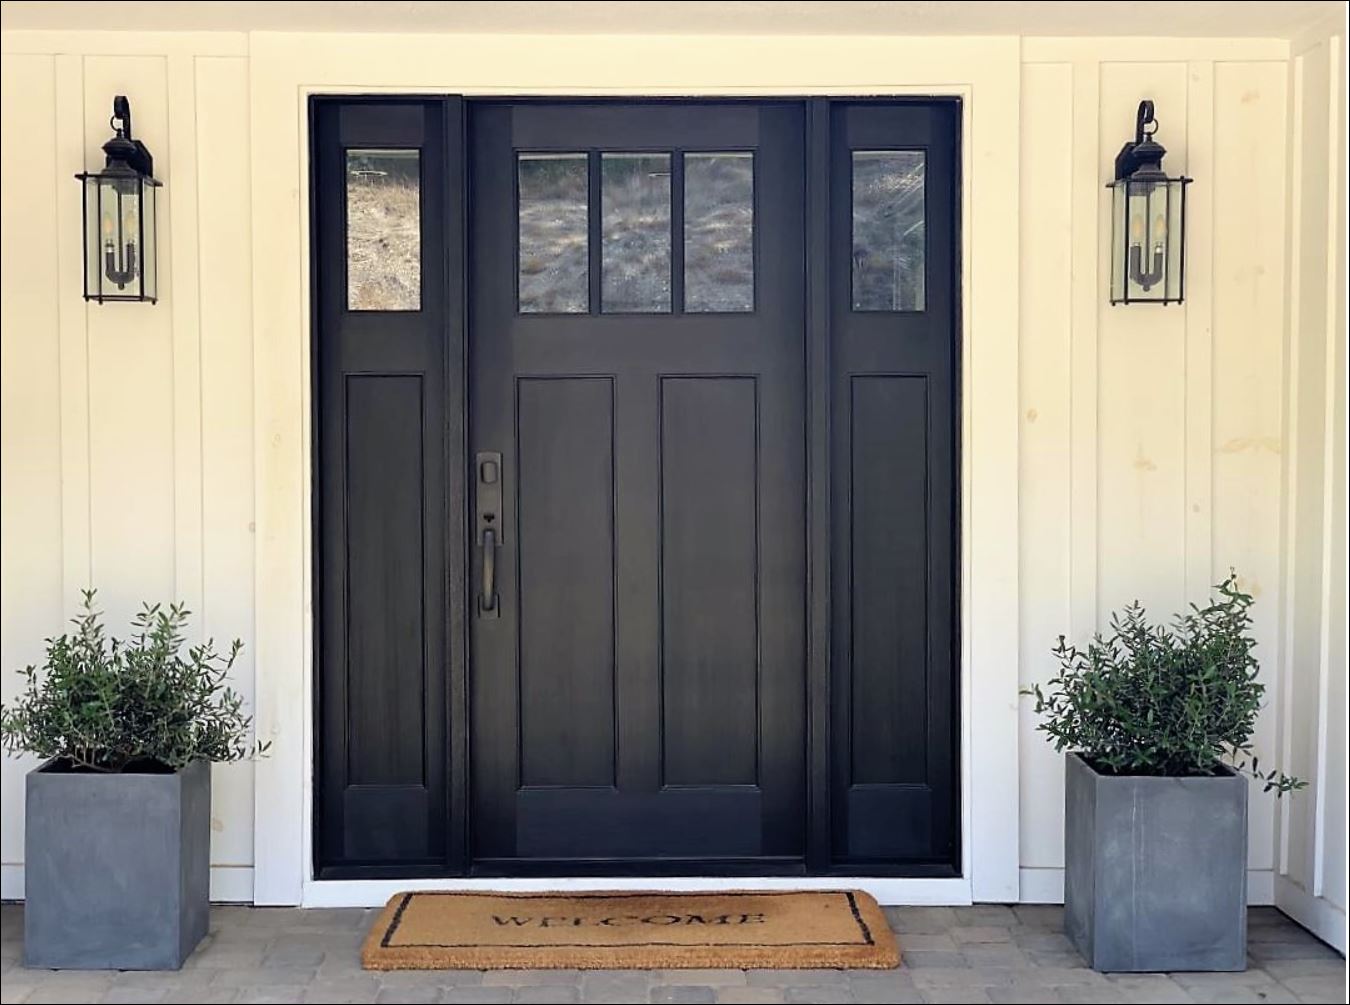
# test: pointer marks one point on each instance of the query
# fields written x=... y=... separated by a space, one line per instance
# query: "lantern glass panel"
x=1148 y=234
x=119 y=248
x=1120 y=232
x=1145 y=255
x=1176 y=237
x=93 y=238
x=148 y=244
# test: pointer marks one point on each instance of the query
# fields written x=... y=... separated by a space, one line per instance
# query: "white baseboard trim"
x=230 y=884
x=1046 y=886
x=376 y=892
x=1040 y=885
x=1260 y=887
x=1317 y=914
x=11 y=881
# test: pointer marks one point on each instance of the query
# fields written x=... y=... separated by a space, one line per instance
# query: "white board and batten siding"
x=1151 y=435
x=1157 y=446
x=128 y=430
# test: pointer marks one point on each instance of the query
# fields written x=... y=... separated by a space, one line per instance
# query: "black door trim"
x=820 y=859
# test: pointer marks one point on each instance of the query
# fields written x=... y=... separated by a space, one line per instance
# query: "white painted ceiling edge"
x=1254 y=18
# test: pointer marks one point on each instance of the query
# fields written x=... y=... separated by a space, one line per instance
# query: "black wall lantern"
x=119 y=218
x=1148 y=221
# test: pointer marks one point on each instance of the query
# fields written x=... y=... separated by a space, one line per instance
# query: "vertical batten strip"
x=1334 y=288
x=73 y=322
x=1044 y=487
x=1087 y=215
x=282 y=547
x=184 y=302
x=222 y=272
x=1199 y=355
x=1289 y=443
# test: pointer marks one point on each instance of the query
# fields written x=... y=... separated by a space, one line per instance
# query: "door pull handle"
x=488 y=526
x=487 y=603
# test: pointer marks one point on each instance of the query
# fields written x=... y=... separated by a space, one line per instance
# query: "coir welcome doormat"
x=643 y=931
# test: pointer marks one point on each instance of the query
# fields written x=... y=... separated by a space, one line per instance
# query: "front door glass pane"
x=554 y=264
x=719 y=232
x=636 y=240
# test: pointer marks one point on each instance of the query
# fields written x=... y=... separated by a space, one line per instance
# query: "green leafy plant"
x=140 y=704
x=1150 y=699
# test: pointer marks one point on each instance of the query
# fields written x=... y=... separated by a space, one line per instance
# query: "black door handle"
x=488 y=526
x=487 y=603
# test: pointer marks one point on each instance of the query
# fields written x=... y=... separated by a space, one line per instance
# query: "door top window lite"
x=651 y=232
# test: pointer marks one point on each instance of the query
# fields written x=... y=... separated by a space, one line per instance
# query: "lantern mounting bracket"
x=1144 y=152
x=124 y=150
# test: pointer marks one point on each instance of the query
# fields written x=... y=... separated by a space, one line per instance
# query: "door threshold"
x=947 y=892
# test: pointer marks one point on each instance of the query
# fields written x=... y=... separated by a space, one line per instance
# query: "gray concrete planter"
x=1155 y=873
x=117 y=868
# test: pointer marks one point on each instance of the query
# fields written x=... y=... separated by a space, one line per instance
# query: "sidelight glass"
x=635 y=233
x=719 y=232
x=888 y=230
x=553 y=268
x=384 y=230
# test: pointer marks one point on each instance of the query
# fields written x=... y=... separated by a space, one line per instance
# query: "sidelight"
x=888 y=230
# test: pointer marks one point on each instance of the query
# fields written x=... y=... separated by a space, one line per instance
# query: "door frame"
x=454 y=288
x=285 y=72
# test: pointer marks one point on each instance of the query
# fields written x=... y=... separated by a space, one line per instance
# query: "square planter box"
x=1155 y=871
x=117 y=868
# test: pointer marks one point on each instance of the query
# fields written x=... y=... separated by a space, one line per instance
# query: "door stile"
x=457 y=587
x=817 y=348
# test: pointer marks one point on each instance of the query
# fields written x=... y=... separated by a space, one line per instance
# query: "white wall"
x=1151 y=436
x=1155 y=443
x=1311 y=830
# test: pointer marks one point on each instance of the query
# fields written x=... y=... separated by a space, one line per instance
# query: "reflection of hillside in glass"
x=554 y=265
x=635 y=238
x=719 y=222
x=888 y=230
x=384 y=239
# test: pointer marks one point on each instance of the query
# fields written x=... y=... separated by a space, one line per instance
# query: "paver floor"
x=971 y=954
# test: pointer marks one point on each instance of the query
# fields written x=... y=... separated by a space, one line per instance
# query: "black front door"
x=635 y=486
x=636 y=417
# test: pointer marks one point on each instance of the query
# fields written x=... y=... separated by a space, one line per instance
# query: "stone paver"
x=987 y=953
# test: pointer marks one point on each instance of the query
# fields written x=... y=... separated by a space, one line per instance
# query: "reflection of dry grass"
x=384 y=240
x=635 y=212
x=384 y=243
x=719 y=233
x=637 y=241
x=553 y=263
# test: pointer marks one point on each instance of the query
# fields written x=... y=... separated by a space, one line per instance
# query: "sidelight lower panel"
x=890 y=821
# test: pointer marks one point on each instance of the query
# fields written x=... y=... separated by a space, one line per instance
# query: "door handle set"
x=487 y=466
